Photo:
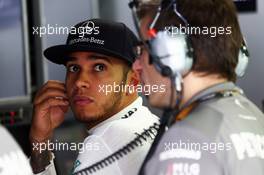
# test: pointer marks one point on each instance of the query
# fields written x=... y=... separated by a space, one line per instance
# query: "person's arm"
x=50 y=105
x=40 y=157
x=12 y=158
x=49 y=167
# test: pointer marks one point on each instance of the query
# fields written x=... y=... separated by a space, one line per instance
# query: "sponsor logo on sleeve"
x=183 y=169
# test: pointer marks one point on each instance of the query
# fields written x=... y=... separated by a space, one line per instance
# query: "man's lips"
x=82 y=100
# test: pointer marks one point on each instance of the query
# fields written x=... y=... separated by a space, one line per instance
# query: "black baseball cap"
x=96 y=35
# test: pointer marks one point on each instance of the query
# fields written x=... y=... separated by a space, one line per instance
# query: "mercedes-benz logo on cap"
x=89 y=28
x=89 y=25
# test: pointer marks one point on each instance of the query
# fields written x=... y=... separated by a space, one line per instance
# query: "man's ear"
x=133 y=78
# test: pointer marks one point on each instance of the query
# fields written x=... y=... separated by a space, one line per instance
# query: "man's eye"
x=99 y=67
x=73 y=68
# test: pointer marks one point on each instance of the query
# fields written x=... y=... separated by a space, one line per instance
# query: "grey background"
x=12 y=70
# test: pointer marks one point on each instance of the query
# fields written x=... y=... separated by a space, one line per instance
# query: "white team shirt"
x=111 y=135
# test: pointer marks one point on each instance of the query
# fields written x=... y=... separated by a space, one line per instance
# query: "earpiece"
x=172 y=54
x=166 y=71
x=243 y=59
x=175 y=54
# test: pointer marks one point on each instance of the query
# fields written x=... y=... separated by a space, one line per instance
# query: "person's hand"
x=50 y=105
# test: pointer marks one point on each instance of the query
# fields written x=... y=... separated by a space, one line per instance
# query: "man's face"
x=149 y=74
x=86 y=73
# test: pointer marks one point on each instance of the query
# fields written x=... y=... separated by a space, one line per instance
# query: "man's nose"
x=83 y=80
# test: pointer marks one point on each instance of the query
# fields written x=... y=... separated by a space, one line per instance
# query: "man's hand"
x=50 y=105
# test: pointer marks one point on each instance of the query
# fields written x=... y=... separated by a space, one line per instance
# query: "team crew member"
x=12 y=158
x=99 y=57
x=219 y=130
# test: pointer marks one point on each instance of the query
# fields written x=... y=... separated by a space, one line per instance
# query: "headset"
x=174 y=55
x=243 y=59
x=165 y=49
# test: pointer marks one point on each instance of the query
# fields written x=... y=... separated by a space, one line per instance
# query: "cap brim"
x=58 y=54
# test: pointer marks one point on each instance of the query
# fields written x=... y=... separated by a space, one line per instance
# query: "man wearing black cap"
x=97 y=55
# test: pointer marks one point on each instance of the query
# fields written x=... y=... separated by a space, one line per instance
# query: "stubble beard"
x=108 y=108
